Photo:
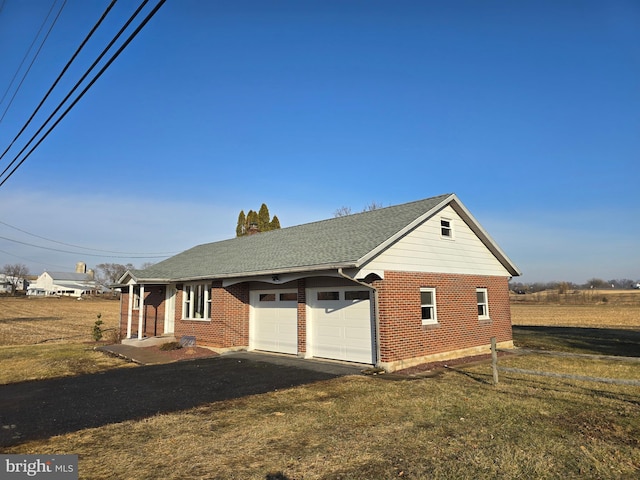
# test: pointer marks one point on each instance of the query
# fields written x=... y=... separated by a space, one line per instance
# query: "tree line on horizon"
x=565 y=287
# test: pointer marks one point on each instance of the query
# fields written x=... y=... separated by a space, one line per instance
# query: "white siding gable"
x=425 y=250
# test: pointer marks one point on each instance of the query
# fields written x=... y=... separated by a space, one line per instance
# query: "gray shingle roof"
x=334 y=242
x=70 y=276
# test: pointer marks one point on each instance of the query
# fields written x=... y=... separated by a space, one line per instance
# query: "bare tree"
x=15 y=274
x=344 y=211
x=109 y=273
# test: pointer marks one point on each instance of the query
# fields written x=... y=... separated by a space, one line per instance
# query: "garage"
x=342 y=324
x=274 y=321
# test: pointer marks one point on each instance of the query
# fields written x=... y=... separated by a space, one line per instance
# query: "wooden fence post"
x=494 y=360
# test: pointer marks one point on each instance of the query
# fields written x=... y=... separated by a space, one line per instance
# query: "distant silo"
x=81 y=267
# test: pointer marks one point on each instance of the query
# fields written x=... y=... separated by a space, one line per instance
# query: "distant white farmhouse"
x=76 y=284
x=6 y=283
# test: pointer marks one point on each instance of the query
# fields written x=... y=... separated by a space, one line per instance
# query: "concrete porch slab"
x=148 y=341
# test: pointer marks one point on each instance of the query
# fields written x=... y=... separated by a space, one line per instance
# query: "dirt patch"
x=434 y=368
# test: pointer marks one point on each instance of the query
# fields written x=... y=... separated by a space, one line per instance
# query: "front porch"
x=148 y=314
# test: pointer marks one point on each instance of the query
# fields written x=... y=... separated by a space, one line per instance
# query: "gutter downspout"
x=375 y=310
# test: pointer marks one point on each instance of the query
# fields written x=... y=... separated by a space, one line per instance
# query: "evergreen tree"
x=241 y=228
x=252 y=219
x=264 y=218
x=254 y=222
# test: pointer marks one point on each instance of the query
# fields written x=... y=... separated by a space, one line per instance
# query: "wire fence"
x=616 y=381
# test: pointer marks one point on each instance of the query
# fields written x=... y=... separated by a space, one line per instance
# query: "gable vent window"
x=446 y=228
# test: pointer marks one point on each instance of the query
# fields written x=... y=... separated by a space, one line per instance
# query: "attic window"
x=446 y=228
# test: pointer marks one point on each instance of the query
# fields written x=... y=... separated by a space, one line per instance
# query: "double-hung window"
x=483 y=303
x=428 y=306
x=196 y=303
x=136 y=298
x=446 y=228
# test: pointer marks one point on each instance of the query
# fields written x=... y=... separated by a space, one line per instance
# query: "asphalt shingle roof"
x=335 y=242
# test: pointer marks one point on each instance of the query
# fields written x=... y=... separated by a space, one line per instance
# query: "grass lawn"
x=20 y=363
x=455 y=425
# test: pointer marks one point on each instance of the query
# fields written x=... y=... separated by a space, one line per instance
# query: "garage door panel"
x=275 y=322
x=342 y=329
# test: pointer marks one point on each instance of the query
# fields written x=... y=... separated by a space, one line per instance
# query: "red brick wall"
x=401 y=331
x=229 y=324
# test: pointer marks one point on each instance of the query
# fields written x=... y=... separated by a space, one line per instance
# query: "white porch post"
x=141 y=313
x=129 y=310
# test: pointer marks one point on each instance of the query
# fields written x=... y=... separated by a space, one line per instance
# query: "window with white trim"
x=196 y=302
x=136 y=298
x=446 y=228
x=428 y=306
x=483 y=303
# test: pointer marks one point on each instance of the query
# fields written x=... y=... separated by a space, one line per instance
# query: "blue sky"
x=529 y=111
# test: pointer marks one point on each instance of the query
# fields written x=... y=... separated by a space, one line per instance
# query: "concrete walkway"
x=142 y=356
x=150 y=356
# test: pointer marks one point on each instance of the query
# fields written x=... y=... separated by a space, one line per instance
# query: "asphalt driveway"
x=40 y=409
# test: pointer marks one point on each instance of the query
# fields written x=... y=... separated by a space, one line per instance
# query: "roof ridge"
x=333 y=219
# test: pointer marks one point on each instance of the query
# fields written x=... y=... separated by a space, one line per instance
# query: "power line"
x=81 y=253
x=64 y=70
x=79 y=246
x=95 y=78
x=33 y=60
x=71 y=92
x=34 y=261
x=26 y=54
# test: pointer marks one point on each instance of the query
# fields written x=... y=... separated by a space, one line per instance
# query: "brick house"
x=393 y=287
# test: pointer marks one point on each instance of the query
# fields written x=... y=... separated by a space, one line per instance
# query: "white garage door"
x=342 y=324
x=274 y=325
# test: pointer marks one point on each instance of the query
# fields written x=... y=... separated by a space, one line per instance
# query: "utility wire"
x=75 y=87
x=64 y=70
x=26 y=54
x=34 y=261
x=81 y=253
x=33 y=60
x=84 y=248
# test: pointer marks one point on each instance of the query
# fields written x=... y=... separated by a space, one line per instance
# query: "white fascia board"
x=411 y=226
x=302 y=270
x=466 y=215
x=484 y=236
x=126 y=278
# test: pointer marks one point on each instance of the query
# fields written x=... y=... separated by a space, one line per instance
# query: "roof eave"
x=458 y=206
x=489 y=242
x=275 y=271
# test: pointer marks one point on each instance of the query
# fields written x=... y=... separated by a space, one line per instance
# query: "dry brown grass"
x=20 y=363
x=582 y=308
x=455 y=426
x=595 y=316
x=26 y=321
